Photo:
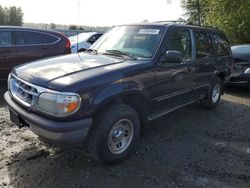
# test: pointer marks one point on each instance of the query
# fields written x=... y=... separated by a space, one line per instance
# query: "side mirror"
x=173 y=56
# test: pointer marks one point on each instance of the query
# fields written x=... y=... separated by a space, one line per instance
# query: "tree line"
x=88 y=28
x=230 y=16
x=11 y=16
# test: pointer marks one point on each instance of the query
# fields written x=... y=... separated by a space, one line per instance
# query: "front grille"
x=22 y=91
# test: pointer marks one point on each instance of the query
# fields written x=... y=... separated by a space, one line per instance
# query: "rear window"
x=32 y=38
x=204 y=47
x=5 y=38
x=222 y=47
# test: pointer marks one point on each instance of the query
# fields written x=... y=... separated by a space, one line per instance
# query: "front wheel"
x=113 y=137
x=214 y=94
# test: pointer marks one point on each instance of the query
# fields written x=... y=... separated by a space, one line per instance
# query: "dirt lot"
x=191 y=147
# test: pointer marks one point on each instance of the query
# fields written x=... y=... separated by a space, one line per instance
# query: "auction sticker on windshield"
x=149 y=31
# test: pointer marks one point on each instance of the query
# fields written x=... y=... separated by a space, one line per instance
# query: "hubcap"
x=120 y=136
x=216 y=93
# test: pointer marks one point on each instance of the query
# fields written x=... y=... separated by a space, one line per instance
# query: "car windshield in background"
x=138 y=41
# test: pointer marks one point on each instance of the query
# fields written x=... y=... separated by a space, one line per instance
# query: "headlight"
x=247 y=71
x=58 y=104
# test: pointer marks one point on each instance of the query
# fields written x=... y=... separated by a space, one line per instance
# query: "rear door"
x=32 y=45
x=223 y=55
x=204 y=68
x=7 y=54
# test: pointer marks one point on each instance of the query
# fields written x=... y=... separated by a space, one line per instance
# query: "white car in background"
x=83 y=41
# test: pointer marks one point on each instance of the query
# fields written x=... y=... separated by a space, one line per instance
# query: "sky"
x=96 y=12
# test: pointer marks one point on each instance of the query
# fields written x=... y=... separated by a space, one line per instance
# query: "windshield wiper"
x=120 y=53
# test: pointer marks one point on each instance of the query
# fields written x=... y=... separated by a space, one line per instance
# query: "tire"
x=214 y=94
x=113 y=137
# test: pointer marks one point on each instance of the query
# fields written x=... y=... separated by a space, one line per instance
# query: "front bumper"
x=54 y=131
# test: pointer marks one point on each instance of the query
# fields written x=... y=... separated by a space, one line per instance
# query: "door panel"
x=174 y=81
x=7 y=54
x=173 y=85
x=31 y=46
x=203 y=69
x=223 y=55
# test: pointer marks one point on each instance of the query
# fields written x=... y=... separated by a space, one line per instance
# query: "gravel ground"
x=191 y=147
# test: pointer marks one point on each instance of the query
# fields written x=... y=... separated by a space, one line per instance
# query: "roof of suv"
x=177 y=24
x=29 y=29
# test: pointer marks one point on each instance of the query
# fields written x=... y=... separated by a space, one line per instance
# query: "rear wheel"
x=113 y=137
x=213 y=97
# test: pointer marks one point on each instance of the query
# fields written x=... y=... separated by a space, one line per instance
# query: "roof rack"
x=173 y=21
x=184 y=22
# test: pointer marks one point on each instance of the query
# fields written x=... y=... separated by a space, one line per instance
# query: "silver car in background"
x=83 y=41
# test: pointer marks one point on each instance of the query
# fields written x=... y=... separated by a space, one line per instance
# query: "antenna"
x=77 y=26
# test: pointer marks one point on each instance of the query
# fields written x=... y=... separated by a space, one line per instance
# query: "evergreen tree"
x=11 y=16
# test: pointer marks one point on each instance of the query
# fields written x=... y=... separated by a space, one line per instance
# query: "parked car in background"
x=133 y=74
x=20 y=45
x=241 y=68
x=83 y=41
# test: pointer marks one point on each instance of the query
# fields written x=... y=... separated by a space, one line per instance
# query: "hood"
x=43 y=72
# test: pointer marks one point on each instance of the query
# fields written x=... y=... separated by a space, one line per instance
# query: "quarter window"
x=5 y=38
x=180 y=41
x=204 y=47
x=221 y=45
x=32 y=38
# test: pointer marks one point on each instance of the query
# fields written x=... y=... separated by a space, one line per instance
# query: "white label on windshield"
x=149 y=31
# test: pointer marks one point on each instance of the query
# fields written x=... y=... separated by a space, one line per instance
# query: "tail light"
x=68 y=45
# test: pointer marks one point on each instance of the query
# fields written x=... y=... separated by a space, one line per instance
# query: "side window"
x=47 y=39
x=222 y=48
x=31 y=38
x=204 y=47
x=5 y=38
x=180 y=41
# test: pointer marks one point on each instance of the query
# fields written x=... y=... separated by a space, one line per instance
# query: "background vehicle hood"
x=44 y=71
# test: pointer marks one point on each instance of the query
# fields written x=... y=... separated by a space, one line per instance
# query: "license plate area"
x=15 y=118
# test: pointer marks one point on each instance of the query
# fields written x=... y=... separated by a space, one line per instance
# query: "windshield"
x=139 y=41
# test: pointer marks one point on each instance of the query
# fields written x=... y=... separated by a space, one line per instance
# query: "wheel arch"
x=136 y=99
x=222 y=77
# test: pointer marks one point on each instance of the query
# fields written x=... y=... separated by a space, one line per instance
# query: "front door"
x=174 y=84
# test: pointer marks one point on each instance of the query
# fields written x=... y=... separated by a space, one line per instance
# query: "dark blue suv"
x=106 y=95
